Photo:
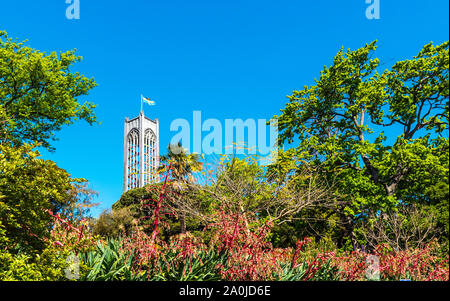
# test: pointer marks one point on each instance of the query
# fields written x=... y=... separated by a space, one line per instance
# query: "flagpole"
x=141 y=102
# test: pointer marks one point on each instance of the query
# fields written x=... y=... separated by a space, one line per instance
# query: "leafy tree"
x=28 y=187
x=132 y=198
x=383 y=136
x=133 y=201
x=39 y=92
x=183 y=165
x=114 y=223
x=37 y=97
x=139 y=203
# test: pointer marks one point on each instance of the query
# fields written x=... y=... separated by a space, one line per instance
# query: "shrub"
x=109 y=262
x=50 y=265
x=113 y=223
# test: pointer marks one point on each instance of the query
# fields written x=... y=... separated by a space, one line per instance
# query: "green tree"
x=139 y=202
x=134 y=201
x=28 y=187
x=183 y=165
x=133 y=198
x=113 y=223
x=340 y=125
x=39 y=92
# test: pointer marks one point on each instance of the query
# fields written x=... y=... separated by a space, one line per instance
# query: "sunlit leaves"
x=382 y=134
x=39 y=92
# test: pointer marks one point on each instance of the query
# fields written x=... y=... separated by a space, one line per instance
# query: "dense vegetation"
x=359 y=190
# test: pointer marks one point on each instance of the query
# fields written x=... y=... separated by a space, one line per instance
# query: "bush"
x=50 y=265
x=114 y=223
x=109 y=262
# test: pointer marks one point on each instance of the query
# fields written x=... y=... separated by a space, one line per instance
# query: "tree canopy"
x=384 y=136
x=39 y=91
x=38 y=96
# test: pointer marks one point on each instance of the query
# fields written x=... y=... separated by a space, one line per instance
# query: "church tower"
x=141 y=152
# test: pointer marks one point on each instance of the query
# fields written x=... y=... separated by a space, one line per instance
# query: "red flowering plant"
x=306 y=265
x=186 y=246
x=184 y=257
x=146 y=249
x=240 y=249
x=250 y=255
x=161 y=260
x=352 y=266
x=420 y=264
x=66 y=241
x=71 y=236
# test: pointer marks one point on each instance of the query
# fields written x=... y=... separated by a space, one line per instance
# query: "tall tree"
x=384 y=135
x=183 y=165
x=38 y=95
x=39 y=92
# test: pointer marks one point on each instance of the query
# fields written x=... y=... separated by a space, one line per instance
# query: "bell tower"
x=141 y=152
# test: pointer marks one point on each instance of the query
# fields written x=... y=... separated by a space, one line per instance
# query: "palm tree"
x=183 y=166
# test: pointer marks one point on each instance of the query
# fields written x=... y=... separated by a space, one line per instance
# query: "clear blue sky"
x=229 y=59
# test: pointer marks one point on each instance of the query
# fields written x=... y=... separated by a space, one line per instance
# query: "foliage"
x=415 y=264
x=108 y=262
x=250 y=255
x=339 y=125
x=28 y=186
x=51 y=262
x=240 y=250
x=37 y=97
x=188 y=259
x=80 y=201
x=182 y=165
x=346 y=194
x=133 y=198
x=410 y=226
x=184 y=258
x=114 y=223
x=72 y=237
x=47 y=266
x=39 y=92
x=244 y=186
x=139 y=201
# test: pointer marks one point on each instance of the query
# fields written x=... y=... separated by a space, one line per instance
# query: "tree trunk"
x=181 y=214
x=182 y=223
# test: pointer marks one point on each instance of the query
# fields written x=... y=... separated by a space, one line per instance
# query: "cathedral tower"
x=141 y=152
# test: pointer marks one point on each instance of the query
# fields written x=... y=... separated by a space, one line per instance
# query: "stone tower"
x=140 y=152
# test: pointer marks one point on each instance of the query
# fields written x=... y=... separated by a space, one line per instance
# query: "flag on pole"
x=147 y=100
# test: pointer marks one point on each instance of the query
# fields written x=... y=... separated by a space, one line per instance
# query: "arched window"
x=133 y=159
x=149 y=157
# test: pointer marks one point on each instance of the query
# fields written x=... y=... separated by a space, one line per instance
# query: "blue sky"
x=228 y=59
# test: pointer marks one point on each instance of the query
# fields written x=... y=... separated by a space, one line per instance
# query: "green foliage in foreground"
x=203 y=267
x=107 y=263
x=326 y=272
x=47 y=266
